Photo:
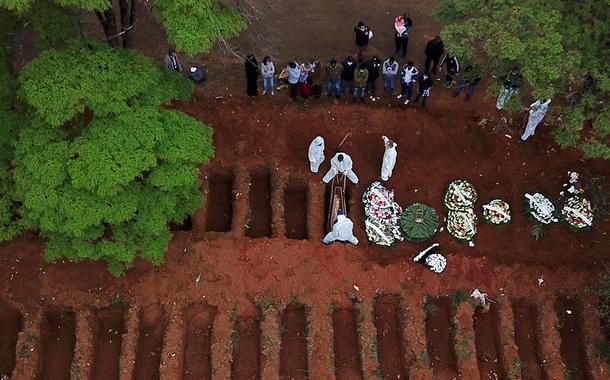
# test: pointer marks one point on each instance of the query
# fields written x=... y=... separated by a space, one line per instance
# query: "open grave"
x=440 y=334
x=219 y=201
x=488 y=343
x=246 y=341
x=569 y=323
x=108 y=329
x=11 y=324
x=346 y=344
x=259 y=213
x=389 y=337
x=293 y=352
x=295 y=209
x=198 y=323
x=57 y=342
x=527 y=338
x=153 y=323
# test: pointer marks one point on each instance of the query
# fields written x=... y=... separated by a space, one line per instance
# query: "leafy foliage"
x=599 y=191
x=603 y=307
x=193 y=25
x=54 y=23
x=561 y=48
x=106 y=183
x=418 y=222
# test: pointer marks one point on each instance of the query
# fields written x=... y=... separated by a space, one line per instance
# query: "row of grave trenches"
x=442 y=337
x=260 y=203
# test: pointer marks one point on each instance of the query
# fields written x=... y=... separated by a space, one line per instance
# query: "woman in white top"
x=267 y=72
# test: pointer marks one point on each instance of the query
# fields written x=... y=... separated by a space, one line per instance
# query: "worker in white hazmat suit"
x=341 y=163
x=316 y=154
x=537 y=112
x=389 y=158
x=342 y=231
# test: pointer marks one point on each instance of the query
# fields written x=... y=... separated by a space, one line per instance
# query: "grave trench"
x=219 y=201
x=570 y=328
x=296 y=196
x=440 y=336
x=488 y=343
x=198 y=321
x=527 y=338
x=389 y=337
x=108 y=329
x=11 y=323
x=346 y=344
x=153 y=323
x=57 y=343
x=246 y=351
x=293 y=351
x=259 y=207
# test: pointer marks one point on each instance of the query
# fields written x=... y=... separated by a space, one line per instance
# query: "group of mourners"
x=342 y=164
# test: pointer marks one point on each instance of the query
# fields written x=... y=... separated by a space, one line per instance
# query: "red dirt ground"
x=10 y=325
x=109 y=329
x=389 y=347
x=346 y=345
x=246 y=360
x=447 y=140
x=441 y=339
x=58 y=341
x=488 y=344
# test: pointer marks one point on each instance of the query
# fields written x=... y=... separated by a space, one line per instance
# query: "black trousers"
x=293 y=90
x=401 y=44
x=429 y=60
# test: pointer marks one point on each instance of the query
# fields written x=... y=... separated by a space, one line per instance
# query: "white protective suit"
x=344 y=167
x=342 y=231
x=316 y=154
x=537 y=112
x=389 y=159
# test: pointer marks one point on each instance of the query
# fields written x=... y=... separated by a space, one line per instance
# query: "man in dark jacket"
x=362 y=39
x=402 y=26
x=425 y=84
x=333 y=78
x=434 y=51
x=347 y=75
x=453 y=68
x=373 y=68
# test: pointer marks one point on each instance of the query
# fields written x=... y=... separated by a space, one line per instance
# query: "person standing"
x=362 y=39
x=347 y=75
x=341 y=163
x=171 y=61
x=510 y=86
x=425 y=84
x=316 y=154
x=389 y=158
x=434 y=51
x=537 y=111
x=360 y=80
x=472 y=76
x=267 y=72
x=389 y=70
x=452 y=66
x=373 y=68
x=333 y=78
x=403 y=25
x=294 y=72
x=409 y=76
x=251 y=75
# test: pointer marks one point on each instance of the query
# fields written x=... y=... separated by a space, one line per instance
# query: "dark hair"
x=515 y=68
x=410 y=63
x=360 y=23
x=292 y=64
x=333 y=61
x=392 y=59
x=350 y=58
x=266 y=59
x=340 y=157
x=171 y=51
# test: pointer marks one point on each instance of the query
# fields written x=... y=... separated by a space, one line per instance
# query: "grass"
x=458 y=297
x=234 y=339
x=464 y=351
x=566 y=373
x=281 y=330
x=269 y=342
x=603 y=346
x=265 y=304
x=429 y=307
x=330 y=309
x=423 y=356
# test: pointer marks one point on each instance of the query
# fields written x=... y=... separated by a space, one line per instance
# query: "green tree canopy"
x=102 y=169
x=561 y=48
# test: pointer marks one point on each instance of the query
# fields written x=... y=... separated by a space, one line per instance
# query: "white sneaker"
x=272 y=93
x=399 y=96
x=406 y=102
x=264 y=92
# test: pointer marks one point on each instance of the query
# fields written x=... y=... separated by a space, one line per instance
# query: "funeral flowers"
x=462 y=224
x=540 y=208
x=382 y=215
x=496 y=212
x=578 y=213
x=460 y=195
x=459 y=199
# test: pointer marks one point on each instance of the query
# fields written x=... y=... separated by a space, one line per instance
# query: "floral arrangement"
x=460 y=195
x=540 y=208
x=382 y=224
x=418 y=222
x=574 y=186
x=578 y=213
x=462 y=224
x=496 y=212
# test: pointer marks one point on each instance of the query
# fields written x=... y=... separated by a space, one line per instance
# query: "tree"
x=101 y=169
x=192 y=25
x=561 y=48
